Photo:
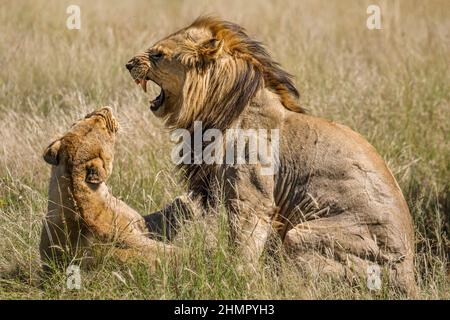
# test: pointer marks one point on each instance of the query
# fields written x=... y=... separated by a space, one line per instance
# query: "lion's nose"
x=130 y=65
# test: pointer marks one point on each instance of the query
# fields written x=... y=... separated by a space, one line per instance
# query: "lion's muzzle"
x=130 y=64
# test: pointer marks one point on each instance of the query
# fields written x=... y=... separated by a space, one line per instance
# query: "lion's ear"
x=51 y=153
x=211 y=49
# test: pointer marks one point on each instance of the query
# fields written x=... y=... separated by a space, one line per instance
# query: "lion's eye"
x=155 y=56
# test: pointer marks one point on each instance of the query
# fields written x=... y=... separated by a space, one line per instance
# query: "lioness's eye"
x=155 y=56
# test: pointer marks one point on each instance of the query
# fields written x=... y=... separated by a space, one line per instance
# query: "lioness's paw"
x=95 y=172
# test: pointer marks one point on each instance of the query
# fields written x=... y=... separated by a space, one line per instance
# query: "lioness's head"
x=88 y=143
x=209 y=71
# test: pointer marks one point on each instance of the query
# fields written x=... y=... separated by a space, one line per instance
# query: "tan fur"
x=81 y=210
x=333 y=202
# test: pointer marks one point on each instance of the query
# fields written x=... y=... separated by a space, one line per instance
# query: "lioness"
x=81 y=209
x=332 y=202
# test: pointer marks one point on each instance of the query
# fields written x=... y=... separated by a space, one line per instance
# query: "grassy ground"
x=391 y=85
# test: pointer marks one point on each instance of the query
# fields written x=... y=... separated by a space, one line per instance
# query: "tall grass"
x=391 y=85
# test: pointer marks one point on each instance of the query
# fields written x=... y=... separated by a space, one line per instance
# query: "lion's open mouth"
x=158 y=101
x=155 y=104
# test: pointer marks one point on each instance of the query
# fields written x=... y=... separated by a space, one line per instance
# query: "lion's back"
x=343 y=171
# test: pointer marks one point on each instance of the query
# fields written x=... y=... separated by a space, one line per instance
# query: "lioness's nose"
x=130 y=65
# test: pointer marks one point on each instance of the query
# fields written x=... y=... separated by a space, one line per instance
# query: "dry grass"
x=391 y=85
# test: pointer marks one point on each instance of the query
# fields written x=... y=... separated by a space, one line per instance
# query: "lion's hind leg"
x=343 y=248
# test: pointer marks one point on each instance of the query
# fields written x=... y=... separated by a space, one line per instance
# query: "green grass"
x=391 y=85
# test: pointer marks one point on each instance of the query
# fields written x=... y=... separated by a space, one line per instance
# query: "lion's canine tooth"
x=144 y=85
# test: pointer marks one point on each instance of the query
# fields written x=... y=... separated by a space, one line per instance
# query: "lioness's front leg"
x=113 y=220
x=108 y=217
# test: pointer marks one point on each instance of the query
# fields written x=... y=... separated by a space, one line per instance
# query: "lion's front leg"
x=251 y=232
x=250 y=203
x=164 y=224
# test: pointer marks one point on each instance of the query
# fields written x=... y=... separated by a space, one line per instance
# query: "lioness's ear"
x=211 y=49
x=51 y=153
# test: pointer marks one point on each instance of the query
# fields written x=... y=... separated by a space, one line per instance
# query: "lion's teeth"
x=144 y=85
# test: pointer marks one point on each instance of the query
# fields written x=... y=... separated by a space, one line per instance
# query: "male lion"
x=332 y=201
x=80 y=207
